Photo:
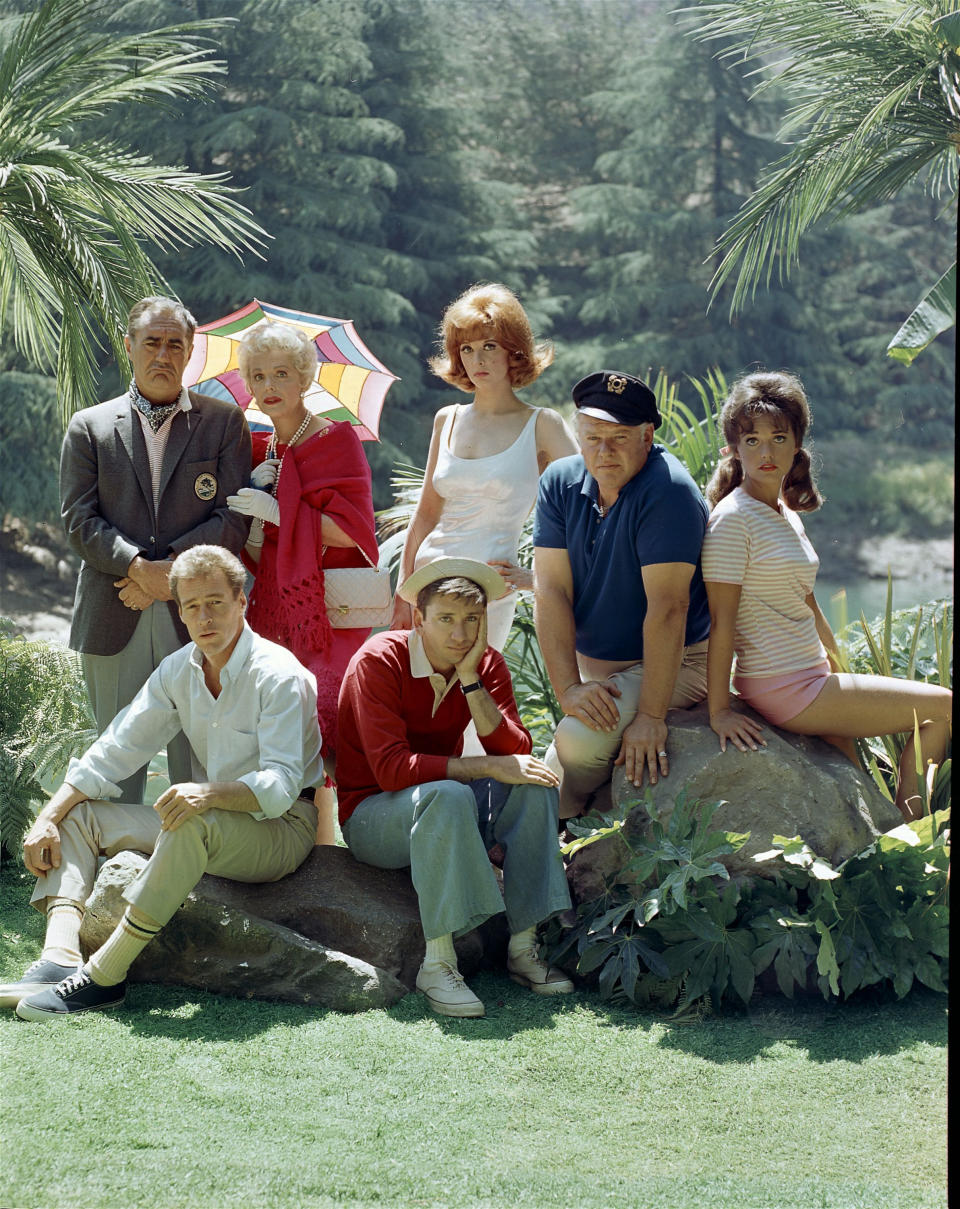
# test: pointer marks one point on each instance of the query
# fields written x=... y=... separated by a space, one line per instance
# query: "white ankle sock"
x=129 y=938
x=441 y=949
x=520 y=942
x=62 y=941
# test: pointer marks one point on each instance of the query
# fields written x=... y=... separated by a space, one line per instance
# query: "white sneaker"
x=534 y=974
x=446 y=992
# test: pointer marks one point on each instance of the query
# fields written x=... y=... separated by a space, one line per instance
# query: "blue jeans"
x=443 y=829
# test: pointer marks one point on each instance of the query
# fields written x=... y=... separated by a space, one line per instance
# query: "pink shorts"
x=780 y=698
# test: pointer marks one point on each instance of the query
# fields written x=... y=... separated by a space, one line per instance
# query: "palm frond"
x=875 y=88
x=76 y=213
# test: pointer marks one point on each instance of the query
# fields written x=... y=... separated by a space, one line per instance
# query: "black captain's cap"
x=617 y=398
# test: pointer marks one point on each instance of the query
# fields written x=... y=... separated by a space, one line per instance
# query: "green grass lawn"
x=184 y=1099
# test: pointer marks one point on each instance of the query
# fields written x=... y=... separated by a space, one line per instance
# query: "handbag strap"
x=375 y=565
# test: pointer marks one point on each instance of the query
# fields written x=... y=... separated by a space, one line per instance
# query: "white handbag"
x=358 y=597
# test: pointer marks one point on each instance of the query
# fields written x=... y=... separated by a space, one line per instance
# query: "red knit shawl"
x=327 y=475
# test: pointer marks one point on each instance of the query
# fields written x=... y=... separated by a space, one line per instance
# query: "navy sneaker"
x=78 y=993
x=38 y=977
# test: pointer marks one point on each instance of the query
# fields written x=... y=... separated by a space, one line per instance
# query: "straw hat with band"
x=485 y=577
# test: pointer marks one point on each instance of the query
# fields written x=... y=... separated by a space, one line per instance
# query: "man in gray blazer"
x=143 y=477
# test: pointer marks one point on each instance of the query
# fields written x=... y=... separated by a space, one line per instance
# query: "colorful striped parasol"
x=351 y=383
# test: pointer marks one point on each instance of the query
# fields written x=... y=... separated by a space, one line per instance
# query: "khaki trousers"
x=583 y=758
x=223 y=842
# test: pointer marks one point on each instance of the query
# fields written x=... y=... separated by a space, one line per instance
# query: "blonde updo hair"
x=770 y=396
x=489 y=312
x=275 y=336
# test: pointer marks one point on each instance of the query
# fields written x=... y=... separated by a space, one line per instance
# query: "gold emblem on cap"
x=616 y=385
x=205 y=486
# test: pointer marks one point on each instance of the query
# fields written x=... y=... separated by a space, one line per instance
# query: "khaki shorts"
x=583 y=758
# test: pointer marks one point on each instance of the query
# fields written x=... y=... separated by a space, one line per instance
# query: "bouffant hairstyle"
x=207 y=560
x=275 y=336
x=157 y=304
x=489 y=312
x=456 y=586
x=775 y=397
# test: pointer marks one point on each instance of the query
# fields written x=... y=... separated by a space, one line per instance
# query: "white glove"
x=255 y=536
x=265 y=475
x=250 y=502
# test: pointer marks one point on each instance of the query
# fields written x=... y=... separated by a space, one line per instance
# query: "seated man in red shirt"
x=407 y=796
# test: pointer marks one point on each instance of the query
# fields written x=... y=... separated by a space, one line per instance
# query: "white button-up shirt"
x=261 y=730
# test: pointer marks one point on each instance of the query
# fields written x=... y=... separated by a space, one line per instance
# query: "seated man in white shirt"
x=249 y=710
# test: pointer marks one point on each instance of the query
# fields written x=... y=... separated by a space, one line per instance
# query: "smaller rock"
x=796 y=785
x=229 y=951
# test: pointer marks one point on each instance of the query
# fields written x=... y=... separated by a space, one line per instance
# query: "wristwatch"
x=472 y=688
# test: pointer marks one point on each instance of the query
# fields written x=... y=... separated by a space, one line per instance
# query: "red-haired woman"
x=486 y=456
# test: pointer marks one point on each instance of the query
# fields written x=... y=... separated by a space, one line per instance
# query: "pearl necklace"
x=272 y=447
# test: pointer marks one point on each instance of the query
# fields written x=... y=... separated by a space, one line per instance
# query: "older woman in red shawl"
x=312 y=509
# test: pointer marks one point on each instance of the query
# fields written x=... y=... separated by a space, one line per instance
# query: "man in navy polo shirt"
x=621 y=610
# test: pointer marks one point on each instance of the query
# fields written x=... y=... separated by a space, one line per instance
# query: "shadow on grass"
x=179 y=1013
x=872 y=1023
x=510 y=1010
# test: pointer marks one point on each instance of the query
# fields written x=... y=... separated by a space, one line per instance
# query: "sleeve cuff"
x=94 y=788
x=502 y=741
x=273 y=798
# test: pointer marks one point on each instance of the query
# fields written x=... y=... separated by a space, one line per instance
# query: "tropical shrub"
x=913 y=644
x=45 y=719
x=674 y=930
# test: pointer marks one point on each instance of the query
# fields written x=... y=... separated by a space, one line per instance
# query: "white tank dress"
x=485 y=502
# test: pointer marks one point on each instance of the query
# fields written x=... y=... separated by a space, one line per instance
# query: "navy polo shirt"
x=659 y=517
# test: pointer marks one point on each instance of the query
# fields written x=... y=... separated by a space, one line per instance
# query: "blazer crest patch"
x=205 y=486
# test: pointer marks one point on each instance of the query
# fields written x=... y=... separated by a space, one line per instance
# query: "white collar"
x=421 y=668
x=238 y=656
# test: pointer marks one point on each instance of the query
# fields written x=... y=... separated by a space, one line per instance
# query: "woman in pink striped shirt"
x=760 y=569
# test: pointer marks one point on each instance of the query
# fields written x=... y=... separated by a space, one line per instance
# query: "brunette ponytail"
x=727 y=476
x=799 y=490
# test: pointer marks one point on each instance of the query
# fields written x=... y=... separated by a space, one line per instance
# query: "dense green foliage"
x=589 y=154
x=674 y=929
x=30 y=437
x=44 y=720
x=913 y=644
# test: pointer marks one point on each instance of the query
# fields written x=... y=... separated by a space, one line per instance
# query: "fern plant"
x=45 y=719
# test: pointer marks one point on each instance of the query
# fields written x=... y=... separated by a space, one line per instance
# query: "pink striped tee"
x=770 y=556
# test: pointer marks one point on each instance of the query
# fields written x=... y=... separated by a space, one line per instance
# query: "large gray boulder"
x=371 y=913
x=796 y=785
x=224 y=949
x=336 y=932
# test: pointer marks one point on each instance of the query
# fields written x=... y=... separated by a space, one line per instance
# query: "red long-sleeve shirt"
x=392 y=732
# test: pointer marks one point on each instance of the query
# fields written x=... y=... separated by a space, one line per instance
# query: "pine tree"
x=679 y=150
